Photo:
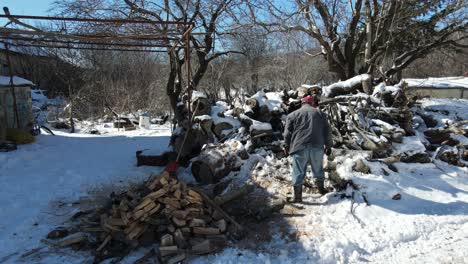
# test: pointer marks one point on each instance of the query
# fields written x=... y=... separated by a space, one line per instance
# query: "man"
x=307 y=136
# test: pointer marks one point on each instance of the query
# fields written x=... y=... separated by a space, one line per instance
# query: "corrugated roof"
x=17 y=81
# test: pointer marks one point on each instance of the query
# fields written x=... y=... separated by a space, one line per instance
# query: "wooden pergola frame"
x=159 y=41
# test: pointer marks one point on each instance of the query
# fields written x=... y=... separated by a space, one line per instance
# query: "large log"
x=259 y=112
x=202 y=106
x=193 y=144
x=220 y=127
x=346 y=87
x=210 y=166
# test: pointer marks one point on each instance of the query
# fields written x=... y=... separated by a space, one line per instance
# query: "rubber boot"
x=297 y=194
x=321 y=187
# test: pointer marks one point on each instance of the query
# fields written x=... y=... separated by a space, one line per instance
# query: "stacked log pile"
x=164 y=212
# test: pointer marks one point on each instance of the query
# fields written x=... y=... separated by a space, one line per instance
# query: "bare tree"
x=368 y=36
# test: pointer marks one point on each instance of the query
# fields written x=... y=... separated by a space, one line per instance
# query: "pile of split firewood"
x=178 y=219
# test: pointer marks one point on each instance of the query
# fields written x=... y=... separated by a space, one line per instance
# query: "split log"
x=210 y=166
x=259 y=112
x=215 y=163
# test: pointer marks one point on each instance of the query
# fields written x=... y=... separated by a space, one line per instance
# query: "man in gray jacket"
x=307 y=136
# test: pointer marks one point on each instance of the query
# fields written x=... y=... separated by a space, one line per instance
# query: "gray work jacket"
x=307 y=126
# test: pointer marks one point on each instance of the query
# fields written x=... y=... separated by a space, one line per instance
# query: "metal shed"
x=16 y=103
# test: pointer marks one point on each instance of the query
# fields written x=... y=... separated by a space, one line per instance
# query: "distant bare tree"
x=361 y=36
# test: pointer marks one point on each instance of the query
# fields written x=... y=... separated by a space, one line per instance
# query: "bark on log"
x=220 y=127
x=192 y=147
x=210 y=166
x=204 y=106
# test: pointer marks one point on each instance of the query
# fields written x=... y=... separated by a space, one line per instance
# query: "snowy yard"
x=41 y=182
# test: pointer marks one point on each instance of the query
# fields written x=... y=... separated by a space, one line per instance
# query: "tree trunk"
x=72 y=123
x=174 y=89
x=210 y=166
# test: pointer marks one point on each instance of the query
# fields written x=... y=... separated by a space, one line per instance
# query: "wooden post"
x=3 y=123
x=12 y=85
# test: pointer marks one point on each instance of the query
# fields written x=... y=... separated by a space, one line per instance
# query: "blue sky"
x=27 y=7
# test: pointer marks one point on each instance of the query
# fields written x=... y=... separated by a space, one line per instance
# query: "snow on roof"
x=17 y=81
x=442 y=83
x=308 y=86
x=33 y=51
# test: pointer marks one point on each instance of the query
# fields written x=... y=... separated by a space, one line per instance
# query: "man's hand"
x=327 y=151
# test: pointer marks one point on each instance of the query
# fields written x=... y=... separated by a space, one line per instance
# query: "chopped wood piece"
x=176 y=259
x=203 y=247
x=155 y=209
x=181 y=214
x=171 y=228
x=137 y=231
x=58 y=233
x=130 y=228
x=138 y=214
x=217 y=215
x=104 y=243
x=177 y=194
x=157 y=194
x=171 y=202
x=116 y=222
x=196 y=222
x=206 y=231
x=217 y=208
x=167 y=240
x=180 y=239
x=146 y=201
x=222 y=225
x=125 y=219
x=179 y=222
x=186 y=230
x=164 y=251
x=164 y=181
x=194 y=194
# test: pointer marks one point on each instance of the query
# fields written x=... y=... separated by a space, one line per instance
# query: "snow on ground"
x=446 y=110
x=428 y=225
x=40 y=180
